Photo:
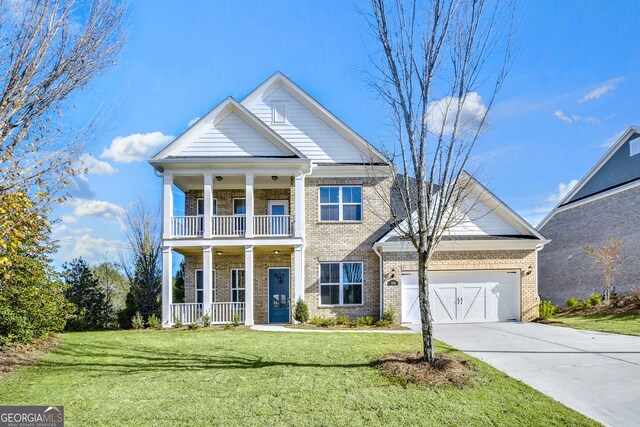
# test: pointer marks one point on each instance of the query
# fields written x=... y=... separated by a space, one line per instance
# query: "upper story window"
x=634 y=147
x=341 y=203
x=279 y=112
x=200 y=206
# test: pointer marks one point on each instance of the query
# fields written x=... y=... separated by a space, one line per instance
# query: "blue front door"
x=279 y=295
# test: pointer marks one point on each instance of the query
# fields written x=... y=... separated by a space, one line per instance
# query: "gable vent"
x=634 y=147
x=279 y=112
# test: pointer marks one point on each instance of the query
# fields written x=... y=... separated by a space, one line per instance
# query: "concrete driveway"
x=595 y=373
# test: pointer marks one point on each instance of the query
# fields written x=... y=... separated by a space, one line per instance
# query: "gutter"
x=376 y=249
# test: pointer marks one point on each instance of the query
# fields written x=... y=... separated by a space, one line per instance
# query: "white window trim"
x=215 y=206
x=283 y=104
x=233 y=206
x=634 y=147
x=340 y=204
x=231 y=288
x=195 y=285
x=341 y=284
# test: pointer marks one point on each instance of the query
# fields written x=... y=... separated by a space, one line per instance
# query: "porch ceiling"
x=235 y=250
x=230 y=182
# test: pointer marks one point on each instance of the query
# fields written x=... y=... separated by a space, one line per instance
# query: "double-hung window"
x=341 y=283
x=341 y=203
x=237 y=285
x=200 y=286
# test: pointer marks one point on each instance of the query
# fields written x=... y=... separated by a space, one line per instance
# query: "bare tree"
x=142 y=264
x=435 y=57
x=49 y=49
x=607 y=259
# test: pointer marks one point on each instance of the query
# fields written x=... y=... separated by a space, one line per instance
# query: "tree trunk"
x=425 y=308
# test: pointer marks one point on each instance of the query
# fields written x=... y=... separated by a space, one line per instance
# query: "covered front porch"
x=248 y=284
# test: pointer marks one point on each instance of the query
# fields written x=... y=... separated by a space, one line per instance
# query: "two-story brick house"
x=284 y=201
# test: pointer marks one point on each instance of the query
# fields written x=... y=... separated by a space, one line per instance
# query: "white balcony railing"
x=186 y=226
x=272 y=225
x=228 y=225
x=227 y=312
x=232 y=225
x=187 y=313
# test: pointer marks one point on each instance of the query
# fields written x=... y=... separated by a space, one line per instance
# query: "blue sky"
x=572 y=89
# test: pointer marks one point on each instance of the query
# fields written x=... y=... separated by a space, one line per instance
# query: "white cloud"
x=601 y=90
x=135 y=147
x=563 y=190
x=95 y=166
x=611 y=140
x=192 y=121
x=574 y=118
x=441 y=114
x=79 y=242
x=68 y=219
x=97 y=208
x=546 y=203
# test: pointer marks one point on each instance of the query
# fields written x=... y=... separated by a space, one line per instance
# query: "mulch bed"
x=629 y=304
x=15 y=358
x=392 y=327
x=408 y=367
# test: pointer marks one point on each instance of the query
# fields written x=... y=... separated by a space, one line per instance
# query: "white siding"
x=483 y=220
x=306 y=131
x=231 y=137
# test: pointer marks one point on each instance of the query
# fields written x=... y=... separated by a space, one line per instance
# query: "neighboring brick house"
x=283 y=201
x=603 y=205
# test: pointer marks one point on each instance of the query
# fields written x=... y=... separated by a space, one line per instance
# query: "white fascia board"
x=232 y=241
x=359 y=171
x=590 y=199
x=612 y=150
x=320 y=110
x=467 y=245
x=265 y=167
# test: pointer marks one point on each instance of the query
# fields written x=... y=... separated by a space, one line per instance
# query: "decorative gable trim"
x=614 y=148
x=278 y=80
x=217 y=114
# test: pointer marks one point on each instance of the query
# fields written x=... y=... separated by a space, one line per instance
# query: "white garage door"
x=464 y=296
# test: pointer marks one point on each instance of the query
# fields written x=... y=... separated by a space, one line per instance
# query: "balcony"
x=232 y=226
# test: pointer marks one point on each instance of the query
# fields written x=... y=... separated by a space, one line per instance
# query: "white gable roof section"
x=309 y=126
x=229 y=130
x=491 y=224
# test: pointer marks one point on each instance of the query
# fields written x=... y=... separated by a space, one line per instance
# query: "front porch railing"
x=187 y=313
x=221 y=313
x=227 y=312
x=272 y=225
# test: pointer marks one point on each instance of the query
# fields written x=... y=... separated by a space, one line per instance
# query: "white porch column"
x=249 y=205
x=299 y=208
x=167 y=286
x=207 y=279
x=208 y=205
x=248 y=284
x=167 y=205
x=298 y=275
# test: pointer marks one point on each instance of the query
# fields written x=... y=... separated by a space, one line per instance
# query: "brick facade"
x=340 y=241
x=347 y=242
x=565 y=268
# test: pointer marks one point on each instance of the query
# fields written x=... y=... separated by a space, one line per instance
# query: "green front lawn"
x=627 y=324
x=243 y=377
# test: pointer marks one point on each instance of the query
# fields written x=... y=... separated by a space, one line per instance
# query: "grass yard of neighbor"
x=627 y=324
x=244 y=377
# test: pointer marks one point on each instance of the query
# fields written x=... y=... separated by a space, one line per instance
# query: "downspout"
x=377 y=251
